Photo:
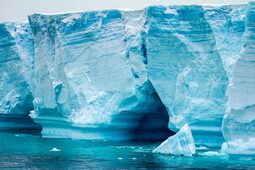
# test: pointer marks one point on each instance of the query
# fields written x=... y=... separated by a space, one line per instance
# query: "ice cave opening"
x=153 y=126
x=150 y=126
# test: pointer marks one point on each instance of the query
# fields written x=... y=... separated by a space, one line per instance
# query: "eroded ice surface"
x=16 y=76
x=123 y=74
x=228 y=25
x=239 y=121
x=186 y=70
x=15 y=94
x=91 y=75
x=182 y=143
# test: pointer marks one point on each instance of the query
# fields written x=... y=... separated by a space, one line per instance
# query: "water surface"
x=24 y=151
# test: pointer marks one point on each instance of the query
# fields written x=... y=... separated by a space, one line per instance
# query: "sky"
x=18 y=10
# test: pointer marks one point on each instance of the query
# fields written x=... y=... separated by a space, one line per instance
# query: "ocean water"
x=26 y=151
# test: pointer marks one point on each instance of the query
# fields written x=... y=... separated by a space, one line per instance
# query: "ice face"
x=228 y=25
x=186 y=70
x=182 y=143
x=115 y=74
x=16 y=62
x=91 y=75
x=239 y=121
x=239 y=147
x=15 y=93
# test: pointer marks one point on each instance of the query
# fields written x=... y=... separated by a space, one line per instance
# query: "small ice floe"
x=22 y=135
x=18 y=135
x=211 y=153
x=134 y=158
x=55 y=150
x=201 y=148
x=119 y=158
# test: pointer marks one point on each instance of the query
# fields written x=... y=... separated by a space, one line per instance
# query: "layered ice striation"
x=16 y=62
x=185 y=67
x=122 y=75
x=239 y=121
x=90 y=75
x=228 y=25
x=182 y=143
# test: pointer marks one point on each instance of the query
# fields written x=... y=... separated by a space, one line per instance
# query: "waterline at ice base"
x=173 y=83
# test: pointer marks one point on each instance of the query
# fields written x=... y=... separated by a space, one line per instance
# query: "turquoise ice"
x=239 y=121
x=128 y=75
x=182 y=143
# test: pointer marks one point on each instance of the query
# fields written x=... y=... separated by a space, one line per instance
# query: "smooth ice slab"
x=182 y=143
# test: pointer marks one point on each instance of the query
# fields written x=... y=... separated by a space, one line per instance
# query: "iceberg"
x=182 y=143
x=239 y=121
x=128 y=75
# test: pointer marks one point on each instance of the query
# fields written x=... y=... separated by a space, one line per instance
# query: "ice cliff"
x=123 y=75
x=16 y=62
x=239 y=121
x=90 y=75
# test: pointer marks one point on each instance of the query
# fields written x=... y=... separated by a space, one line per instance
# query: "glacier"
x=239 y=121
x=134 y=75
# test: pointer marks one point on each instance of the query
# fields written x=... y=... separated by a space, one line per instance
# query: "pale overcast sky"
x=18 y=10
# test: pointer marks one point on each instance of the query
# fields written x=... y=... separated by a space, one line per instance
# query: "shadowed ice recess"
x=143 y=75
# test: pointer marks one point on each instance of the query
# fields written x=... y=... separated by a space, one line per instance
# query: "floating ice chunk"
x=55 y=150
x=211 y=153
x=182 y=143
x=202 y=148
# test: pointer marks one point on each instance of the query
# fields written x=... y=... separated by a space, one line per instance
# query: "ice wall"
x=186 y=70
x=14 y=90
x=91 y=79
x=239 y=121
x=228 y=25
x=16 y=60
x=116 y=74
